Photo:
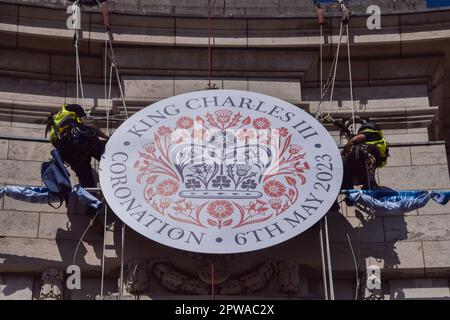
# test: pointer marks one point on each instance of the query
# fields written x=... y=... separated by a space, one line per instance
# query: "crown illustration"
x=221 y=168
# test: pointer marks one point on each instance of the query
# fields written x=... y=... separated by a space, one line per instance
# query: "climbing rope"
x=103 y=250
x=79 y=87
x=210 y=7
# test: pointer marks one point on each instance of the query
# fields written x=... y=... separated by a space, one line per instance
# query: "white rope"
x=335 y=70
x=350 y=79
x=332 y=75
x=321 y=60
x=103 y=252
x=91 y=222
x=322 y=255
x=121 y=261
x=330 y=270
x=356 y=267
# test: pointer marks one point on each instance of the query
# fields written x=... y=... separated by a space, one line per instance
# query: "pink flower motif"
x=149 y=147
x=283 y=132
x=220 y=210
x=244 y=134
x=164 y=130
x=165 y=203
x=275 y=203
x=185 y=122
x=223 y=116
x=167 y=187
x=294 y=148
x=274 y=188
x=261 y=123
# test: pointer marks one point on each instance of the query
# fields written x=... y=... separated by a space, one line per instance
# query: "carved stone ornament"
x=136 y=280
x=52 y=284
x=289 y=277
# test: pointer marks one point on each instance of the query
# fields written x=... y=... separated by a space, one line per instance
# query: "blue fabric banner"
x=438 y=3
x=41 y=195
x=390 y=201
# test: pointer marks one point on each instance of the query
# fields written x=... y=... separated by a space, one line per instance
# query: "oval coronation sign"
x=221 y=171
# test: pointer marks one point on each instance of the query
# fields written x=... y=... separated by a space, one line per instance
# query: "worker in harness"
x=77 y=140
x=362 y=155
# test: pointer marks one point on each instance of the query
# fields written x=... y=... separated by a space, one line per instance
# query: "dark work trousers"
x=78 y=151
x=357 y=171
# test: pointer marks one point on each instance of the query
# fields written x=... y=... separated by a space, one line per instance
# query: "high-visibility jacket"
x=61 y=121
x=380 y=145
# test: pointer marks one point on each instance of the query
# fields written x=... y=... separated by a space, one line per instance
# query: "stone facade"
x=401 y=80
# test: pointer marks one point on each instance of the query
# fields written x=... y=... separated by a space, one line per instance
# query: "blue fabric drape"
x=382 y=201
x=41 y=195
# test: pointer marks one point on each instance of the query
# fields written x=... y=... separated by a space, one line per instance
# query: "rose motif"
x=219 y=210
x=261 y=123
x=185 y=122
x=274 y=188
x=167 y=187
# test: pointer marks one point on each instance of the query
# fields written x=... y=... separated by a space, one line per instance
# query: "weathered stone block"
x=428 y=155
x=16 y=287
x=38 y=254
x=4 y=149
x=358 y=231
x=184 y=84
x=401 y=258
x=407 y=138
x=417 y=228
x=90 y=289
x=404 y=68
x=70 y=227
x=24 y=61
x=399 y=157
x=415 y=177
x=18 y=224
x=148 y=87
x=32 y=90
x=90 y=67
x=401 y=289
x=32 y=151
x=15 y=172
x=236 y=84
x=288 y=90
x=21 y=131
x=224 y=32
x=437 y=257
x=433 y=207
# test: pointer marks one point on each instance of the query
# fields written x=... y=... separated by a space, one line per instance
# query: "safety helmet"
x=369 y=125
